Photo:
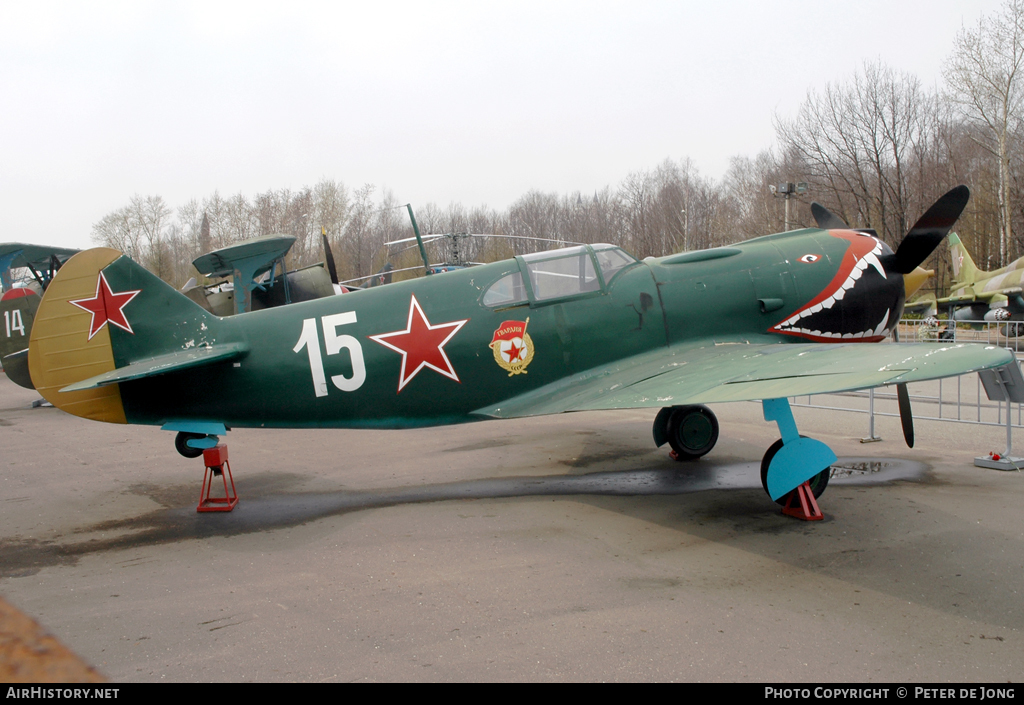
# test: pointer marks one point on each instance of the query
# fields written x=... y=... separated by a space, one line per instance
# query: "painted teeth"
x=878 y=330
x=881 y=326
x=840 y=336
x=869 y=260
x=872 y=259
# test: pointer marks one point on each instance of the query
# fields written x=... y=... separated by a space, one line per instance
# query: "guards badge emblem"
x=512 y=347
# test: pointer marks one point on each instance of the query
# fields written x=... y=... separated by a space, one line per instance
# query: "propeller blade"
x=903 y=397
x=930 y=229
x=329 y=257
x=906 y=415
x=826 y=219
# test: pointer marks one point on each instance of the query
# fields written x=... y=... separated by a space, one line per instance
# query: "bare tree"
x=240 y=222
x=117 y=230
x=357 y=240
x=856 y=142
x=138 y=231
x=983 y=74
x=331 y=205
x=537 y=215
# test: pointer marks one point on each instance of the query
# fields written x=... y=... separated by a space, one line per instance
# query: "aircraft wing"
x=14 y=255
x=972 y=296
x=927 y=305
x=23 y=254
x=256 y=253
x=749 y=372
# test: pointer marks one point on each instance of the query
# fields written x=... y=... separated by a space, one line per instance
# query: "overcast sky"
x=472 y=102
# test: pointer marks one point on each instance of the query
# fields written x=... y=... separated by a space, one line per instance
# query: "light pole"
x=786 y=190
x=686 y=231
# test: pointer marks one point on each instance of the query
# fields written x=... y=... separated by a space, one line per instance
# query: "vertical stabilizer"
x=101 y=313
x=964 y=270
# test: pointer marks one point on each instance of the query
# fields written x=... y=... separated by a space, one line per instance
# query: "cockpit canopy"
x=556 y=275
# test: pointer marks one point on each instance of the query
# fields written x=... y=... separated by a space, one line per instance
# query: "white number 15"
x=310 y=340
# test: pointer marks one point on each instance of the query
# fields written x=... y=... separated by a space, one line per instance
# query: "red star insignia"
x=106 y=307
x=514 y=352
x=421 y=345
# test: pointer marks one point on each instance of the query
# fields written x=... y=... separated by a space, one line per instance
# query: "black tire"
x=818 y=483
x=692 y=431
x=180 y=444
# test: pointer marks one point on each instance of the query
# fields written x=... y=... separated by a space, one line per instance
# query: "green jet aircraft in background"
x=977 y=295
x=578 y=328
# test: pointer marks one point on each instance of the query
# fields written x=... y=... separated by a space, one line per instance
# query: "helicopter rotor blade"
x=539 y=239
x=382 y=272
x=426 y=238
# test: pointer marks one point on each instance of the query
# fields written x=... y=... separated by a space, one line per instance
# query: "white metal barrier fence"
x=1008 y=334
x=956 y=399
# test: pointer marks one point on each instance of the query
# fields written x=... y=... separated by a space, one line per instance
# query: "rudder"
x=101 y=312
x=19 y=311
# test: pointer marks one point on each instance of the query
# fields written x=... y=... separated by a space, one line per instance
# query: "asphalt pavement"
x=546 y=549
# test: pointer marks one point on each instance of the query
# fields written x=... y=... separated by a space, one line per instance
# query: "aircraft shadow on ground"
x=268 y=507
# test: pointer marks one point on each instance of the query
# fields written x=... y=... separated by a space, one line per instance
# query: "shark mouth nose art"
x=861 y=277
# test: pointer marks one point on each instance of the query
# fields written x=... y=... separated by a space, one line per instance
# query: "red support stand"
x=216 y=460
x=806 y=507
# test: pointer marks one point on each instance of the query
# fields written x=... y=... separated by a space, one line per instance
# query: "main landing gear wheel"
x=818 y=483
x=692 y=431
x=181 y=444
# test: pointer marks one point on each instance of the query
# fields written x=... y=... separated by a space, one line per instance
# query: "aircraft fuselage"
x=432 y=350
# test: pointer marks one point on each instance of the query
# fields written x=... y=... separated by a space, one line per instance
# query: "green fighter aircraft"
x=579 y=328
x=977 y=295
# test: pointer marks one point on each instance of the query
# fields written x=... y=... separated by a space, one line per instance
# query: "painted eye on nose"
x=808 y=259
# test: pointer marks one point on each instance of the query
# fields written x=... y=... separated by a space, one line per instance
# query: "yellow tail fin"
x=62 y=351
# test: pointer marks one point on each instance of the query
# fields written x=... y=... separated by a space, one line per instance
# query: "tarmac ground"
x=545 y=549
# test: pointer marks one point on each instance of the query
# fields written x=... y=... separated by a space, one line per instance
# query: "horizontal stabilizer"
x=162 y=364
x=16 y=367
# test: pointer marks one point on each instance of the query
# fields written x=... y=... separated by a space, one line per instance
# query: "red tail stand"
x=216 y=460
x=806 y=506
